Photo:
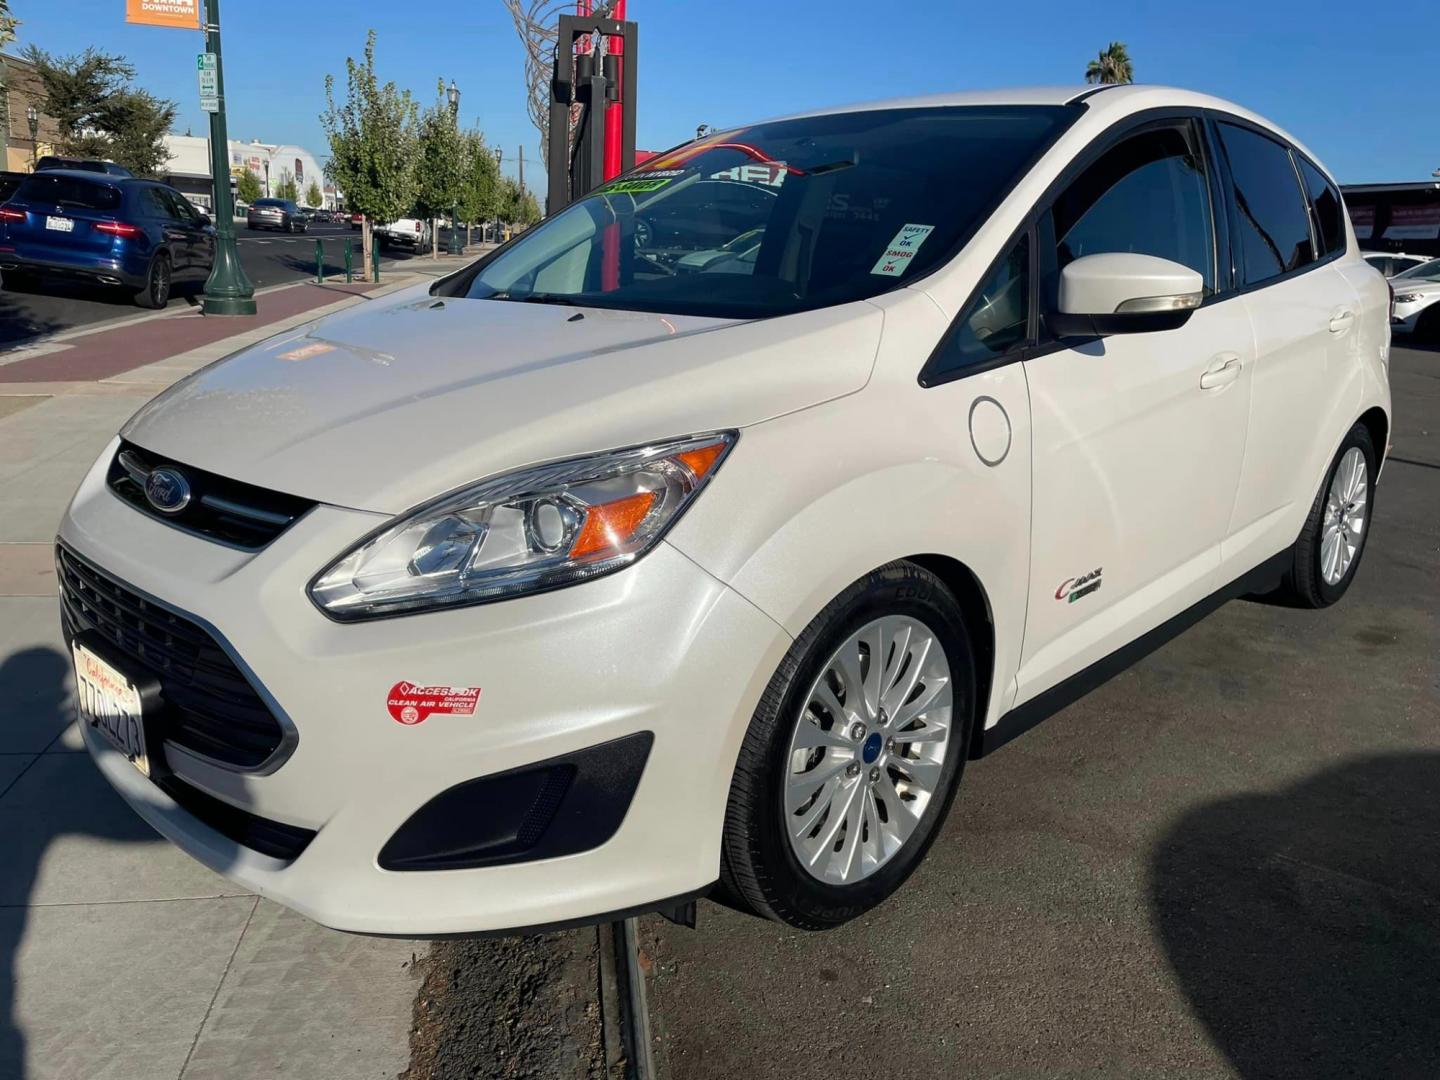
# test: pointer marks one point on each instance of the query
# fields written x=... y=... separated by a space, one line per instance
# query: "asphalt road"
x=269 y=258
x=1223 y=863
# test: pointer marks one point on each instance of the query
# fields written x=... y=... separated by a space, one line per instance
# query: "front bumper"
x=661 y=647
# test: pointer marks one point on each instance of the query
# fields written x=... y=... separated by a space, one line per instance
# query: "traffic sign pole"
x=227 y=291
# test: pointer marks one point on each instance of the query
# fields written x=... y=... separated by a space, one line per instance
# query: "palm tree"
x=1111 y=66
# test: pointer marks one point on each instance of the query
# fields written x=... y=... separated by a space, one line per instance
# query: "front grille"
x=219 y=509
x=207 y=704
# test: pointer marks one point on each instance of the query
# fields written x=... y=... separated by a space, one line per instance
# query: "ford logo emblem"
x=167 y=490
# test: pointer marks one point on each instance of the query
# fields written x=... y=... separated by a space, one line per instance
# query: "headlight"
x=522 y=532
x=1409 y=297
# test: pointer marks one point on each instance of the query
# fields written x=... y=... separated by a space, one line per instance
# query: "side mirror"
x=1124 y=293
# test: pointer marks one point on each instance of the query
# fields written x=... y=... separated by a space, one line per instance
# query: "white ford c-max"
x=703 y=533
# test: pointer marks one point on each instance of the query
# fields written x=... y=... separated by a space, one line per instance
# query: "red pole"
x=614 y=116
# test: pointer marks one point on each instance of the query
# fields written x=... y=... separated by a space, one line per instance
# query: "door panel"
x=1137 y=438
x=1135 y=468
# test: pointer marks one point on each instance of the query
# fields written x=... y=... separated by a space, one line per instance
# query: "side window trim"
x=1316 y=245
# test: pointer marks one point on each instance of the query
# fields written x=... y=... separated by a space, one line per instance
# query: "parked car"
x=109 y=168
x=136 y=234
x=568 y=585
x=410 y=232
x=1391 y=263
x=320 y=214
x=357 y=220
x=279 y=214
x=1415 y=312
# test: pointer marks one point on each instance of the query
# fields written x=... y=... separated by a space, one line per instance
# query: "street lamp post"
x=454 y=95
x=33 y=119
x=227 y=291
x=499 y=156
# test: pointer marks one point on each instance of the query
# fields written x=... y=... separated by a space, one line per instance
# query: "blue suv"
x=137 y=234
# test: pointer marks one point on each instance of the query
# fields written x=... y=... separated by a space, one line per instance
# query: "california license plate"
x=110 y=703
x=60 y=224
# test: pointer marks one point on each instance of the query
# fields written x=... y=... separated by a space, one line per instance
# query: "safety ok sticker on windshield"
x=901 y=250
x=410 y=703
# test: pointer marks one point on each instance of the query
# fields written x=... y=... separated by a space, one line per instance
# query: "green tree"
x=247 y=188
x=372 y=143
x=8 y=23
x=441 y=165
x=99 y=113
x=313 y=197
x=285 y=187
x=1112 y=65
x=479 y=179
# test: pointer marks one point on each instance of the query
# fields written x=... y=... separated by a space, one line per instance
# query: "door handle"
x=1223 y=371
x=1341 y=321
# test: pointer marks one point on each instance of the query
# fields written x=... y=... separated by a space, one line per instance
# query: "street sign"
x=182 y=14
x=208 y=69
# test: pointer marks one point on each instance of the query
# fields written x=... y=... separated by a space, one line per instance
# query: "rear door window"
x=70 y=191
x=1325 y=204
x=1272 y=224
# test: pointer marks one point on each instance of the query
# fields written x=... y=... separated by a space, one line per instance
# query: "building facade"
x=19 y=91
x=271 y=164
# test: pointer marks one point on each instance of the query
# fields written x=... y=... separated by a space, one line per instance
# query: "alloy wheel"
x=160 y=282
x=1346 y=514
x=868 y=749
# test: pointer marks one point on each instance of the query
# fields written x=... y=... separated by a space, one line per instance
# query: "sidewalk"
x=120 y=957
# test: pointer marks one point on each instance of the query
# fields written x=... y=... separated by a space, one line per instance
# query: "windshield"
x=780 y=217
x=1426 y=271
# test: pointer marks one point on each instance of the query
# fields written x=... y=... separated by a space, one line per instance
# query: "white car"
x=1414 y=312
x=1391 y=263
x=413 y=233
x=571 y=586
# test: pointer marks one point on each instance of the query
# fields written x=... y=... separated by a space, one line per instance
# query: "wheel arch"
x=965 y=586
x=1377 y=422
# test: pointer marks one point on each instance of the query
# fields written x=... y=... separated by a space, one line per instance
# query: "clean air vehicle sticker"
x=410 y=704
x=901 y=250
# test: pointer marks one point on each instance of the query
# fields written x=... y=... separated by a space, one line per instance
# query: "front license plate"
x=59 y=224
x=110 y=703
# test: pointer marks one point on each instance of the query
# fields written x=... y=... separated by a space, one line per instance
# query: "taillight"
x=417 y=227
x=6 y=214
x=117 y=228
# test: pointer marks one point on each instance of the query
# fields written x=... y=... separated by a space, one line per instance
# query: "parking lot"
x=1220 y=864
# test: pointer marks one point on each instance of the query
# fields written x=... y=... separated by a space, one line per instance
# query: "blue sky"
x=1341 y=80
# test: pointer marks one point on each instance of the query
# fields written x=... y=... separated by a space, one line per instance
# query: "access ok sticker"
x=410 y=704
x=901 y=250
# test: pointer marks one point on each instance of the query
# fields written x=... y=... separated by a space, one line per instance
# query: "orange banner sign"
x=184 y=14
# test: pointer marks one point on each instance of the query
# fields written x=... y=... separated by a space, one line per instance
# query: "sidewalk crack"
x=185 y=1065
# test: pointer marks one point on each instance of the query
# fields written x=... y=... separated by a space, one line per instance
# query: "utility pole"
x=522 y=174
x=227 y=291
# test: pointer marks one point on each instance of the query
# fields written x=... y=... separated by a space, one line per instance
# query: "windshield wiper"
x=536 y=298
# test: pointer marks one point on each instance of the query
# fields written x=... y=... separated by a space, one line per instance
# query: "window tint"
x=1329 y=210
x=180 y=207
x=68 y=191
x=152 y=203
x=1147 y=195
x=1272 y=225
x=997 y=318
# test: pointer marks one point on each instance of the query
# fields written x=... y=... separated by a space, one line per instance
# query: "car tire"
x=158 y=282
x=795 y=741
x=1427 y=327
x=1332 y=541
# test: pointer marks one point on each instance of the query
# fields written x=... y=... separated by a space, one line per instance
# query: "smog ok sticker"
x=901 y=250
x=410 y=704
x=634 y=187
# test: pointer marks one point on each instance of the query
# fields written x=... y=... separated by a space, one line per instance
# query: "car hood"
x=394 y=401
x=1415 y=285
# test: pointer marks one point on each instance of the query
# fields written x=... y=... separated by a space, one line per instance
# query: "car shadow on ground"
x=62 y=288
x=1304 y=924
